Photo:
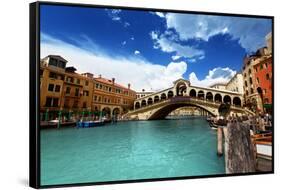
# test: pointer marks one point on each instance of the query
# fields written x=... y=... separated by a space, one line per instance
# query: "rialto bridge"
x=159 y=104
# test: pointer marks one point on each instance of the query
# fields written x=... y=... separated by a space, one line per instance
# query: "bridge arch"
x=165 y=110
x=156 y=99
x=106 y=111
x=236 y=101
x=227 y=99
x=192 y=93
x=137 y=105
x=209 y=96
x=149 y=101
x=218 y=98
x=201 y=94
x=181 y=88
x=143 y=103
x=163 y=96
x=170 y=94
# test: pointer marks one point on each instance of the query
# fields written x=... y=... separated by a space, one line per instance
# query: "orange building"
x=112 y=98
x=263 y=76
x=61 y=88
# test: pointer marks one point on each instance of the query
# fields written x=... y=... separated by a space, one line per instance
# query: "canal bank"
x=130 y=150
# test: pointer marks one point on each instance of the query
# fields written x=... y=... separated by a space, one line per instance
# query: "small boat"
x=87 y=124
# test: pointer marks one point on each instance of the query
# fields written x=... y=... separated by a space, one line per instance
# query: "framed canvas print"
x=120 y=94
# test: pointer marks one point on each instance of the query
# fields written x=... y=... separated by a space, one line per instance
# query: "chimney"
x=129 y=86
x=113 y=80
x=143 y=90
x=99 y=75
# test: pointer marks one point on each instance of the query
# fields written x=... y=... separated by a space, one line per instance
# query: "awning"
x=267 y=105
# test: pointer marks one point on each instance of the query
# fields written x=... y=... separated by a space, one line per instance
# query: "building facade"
x=235 y=84
x=62 y=89
x=257 y=76
x=112 y=98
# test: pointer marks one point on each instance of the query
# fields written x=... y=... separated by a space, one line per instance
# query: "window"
x=256 y=69
x=68 y=90
x=52 y=102
x=261 y=66
x=76 y=91
x=51 y=87
x=100 y=86
x=267 y=76
x=109 y=89
x=75 y=104
x=258 y=80
x=66 y=103
x=85 y=93
x=48 y=102
x=52 y=75
x=55 y=102
x=246 y=84
x=250 y=71
x=53 y=62
x=251 y=81
x=86 y=83
x=99 y=99
x=95 y=98
x=105 y=100
x=266 y=65
x=57 y=89
x=84 y=104
x=252 y=90
x=69 y=79
x=41 y=72
x=77 y=81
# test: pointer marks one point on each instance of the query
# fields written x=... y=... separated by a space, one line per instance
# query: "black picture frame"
x=34 y=93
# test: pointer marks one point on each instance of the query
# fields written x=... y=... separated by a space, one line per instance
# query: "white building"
x=235 y=84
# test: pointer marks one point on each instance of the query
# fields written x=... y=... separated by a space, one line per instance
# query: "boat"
x=54 y=124
x=263 y=145
x=87 y=124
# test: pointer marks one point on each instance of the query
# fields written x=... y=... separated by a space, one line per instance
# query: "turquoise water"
x=129 y=150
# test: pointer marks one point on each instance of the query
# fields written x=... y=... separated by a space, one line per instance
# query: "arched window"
x=163 y=96
x=149 y=101
x=143 y=103
x=170 y=94
x=209 y=96
x=156 y=99
x=227 y=99
x=237 y=101
x=192 y=93
x=218 y=98
x=137 y=105
x=201 y=94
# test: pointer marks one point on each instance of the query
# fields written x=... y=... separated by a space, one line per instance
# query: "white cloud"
x=126 y=24
x=249 y=32
x=167 y=44
x=192 y=60
x=217 y=75
x=124 y=43
x=175 y=57
x=160 y=14
x=140 y=73
x=132 y=38
x=137 y=52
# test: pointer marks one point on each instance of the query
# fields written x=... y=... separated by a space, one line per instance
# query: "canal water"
x=128 y=151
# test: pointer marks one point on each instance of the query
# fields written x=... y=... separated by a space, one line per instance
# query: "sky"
x=149 y=49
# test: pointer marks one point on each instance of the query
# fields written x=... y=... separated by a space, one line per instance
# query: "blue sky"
x=150 y=49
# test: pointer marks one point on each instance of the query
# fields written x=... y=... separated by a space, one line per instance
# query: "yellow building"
x=62 y=89
x=112 y=98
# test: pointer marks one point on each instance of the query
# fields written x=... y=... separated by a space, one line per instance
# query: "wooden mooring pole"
x=239 y=150
x=219 y=141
